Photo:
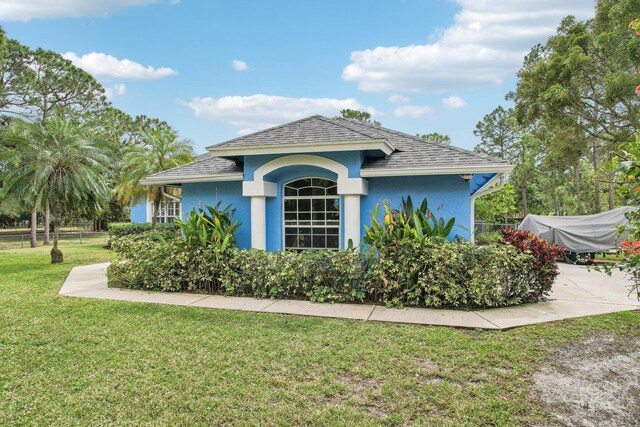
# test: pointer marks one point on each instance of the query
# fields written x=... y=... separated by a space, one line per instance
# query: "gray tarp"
x=586 y=233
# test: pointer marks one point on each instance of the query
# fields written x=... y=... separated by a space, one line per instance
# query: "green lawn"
x=71 y=361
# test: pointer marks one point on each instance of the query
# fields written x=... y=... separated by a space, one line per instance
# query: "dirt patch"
x=595 y=382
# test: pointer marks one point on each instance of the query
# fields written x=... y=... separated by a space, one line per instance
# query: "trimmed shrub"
x=320 y=276
x=146 y=261
x=437 y=274
x=545 y=255
x=120 y=229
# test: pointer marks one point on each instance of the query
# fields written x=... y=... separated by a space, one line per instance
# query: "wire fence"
x=23 y=240
x=485 y=232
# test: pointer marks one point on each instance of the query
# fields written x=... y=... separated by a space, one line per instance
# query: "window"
x=311 y=214
x=169 y=211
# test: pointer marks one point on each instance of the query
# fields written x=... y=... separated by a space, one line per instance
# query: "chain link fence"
x=23 y=240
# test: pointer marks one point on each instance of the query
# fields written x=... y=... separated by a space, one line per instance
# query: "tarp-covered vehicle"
x=583 y=236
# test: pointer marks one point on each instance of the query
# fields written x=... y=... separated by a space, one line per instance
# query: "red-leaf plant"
x=545 y=254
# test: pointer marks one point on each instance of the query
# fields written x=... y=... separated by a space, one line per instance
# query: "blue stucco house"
x=313 y=183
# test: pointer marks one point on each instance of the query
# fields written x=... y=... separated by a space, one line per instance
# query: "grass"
x=73 y=361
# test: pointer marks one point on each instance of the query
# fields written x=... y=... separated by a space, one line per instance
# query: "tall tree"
x=498 y=132
x=61 y=164
x=361 y=116
x=39 y=83
x=583 y=77
x=435 y=137
x=162 y=150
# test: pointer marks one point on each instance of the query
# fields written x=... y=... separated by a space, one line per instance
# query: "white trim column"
x=351 y=189
x=259 y=191
x=259 y=222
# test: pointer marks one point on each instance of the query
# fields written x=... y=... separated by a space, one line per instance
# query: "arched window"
x=311 y=214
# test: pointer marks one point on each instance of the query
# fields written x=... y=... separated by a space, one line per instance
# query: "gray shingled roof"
x=205 y=165
x=410 y=151
x=311 y=130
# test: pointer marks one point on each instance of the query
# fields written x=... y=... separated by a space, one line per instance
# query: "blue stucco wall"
x=448 y=196
x=197 y=195
x=139 y=212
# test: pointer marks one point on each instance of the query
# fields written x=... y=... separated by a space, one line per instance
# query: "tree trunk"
x=578 y=190
x=47 y=219
x=611 y=197
x=56 y=254
x=156 y=209
x=34 y=228
x=596 y=166
x=525 y=206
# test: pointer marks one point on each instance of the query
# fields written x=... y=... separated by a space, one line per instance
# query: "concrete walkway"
x=577 y=293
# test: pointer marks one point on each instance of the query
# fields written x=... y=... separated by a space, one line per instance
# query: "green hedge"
x=120 y=229
x=431 y=274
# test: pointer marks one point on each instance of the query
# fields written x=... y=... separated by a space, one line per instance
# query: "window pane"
x=304 y=216
x=332 y=190
x=317 y=191
x=306 y=191
x=290 y=216
x=304 y=241
x=290 y=205
x=318 y=217
x=318 y=242
x=305 y=231
x=318 y=205
x=306 y=182
x=288 y=191
x=290 y=241
x=333 y=205
x=333 y=242
x=333 y=230
x=304 y=205
x=291 y=230
x=333 y=217
x=321 y=182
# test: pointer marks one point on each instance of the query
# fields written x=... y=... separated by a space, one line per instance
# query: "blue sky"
x=215 y=70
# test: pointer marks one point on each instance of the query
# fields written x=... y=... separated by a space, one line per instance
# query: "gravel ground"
x=593 y=383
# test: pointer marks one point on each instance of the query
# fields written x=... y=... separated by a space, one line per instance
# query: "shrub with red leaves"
x=546 y=259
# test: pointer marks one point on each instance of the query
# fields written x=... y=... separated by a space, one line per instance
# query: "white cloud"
x=398 y=99
x=485 y=45
x=239 y=65
x=118 y=89
x=260 y=111
x=453 y=102
x=413 y=111
x=25 y=10
x=103 y=66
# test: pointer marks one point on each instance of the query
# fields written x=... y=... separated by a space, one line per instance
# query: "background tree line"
x=574 y=105
x=65 y=150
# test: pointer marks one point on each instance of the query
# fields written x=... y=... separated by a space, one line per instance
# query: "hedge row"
x=120 y=229
x=431 y=274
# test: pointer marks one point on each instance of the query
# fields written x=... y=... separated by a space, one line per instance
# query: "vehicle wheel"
x=579 y=258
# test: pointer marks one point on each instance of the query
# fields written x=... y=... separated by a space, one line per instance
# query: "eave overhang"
x=354 y=145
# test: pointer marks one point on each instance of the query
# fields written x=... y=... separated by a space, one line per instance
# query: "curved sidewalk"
x=577 y=293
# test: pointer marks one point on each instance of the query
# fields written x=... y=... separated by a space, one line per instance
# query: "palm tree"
x=63 y=164
x=161 y=150
x=12 y=157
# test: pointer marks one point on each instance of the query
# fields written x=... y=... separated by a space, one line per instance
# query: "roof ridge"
x=422 y=140
x=338 y=122
x=262 y=131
